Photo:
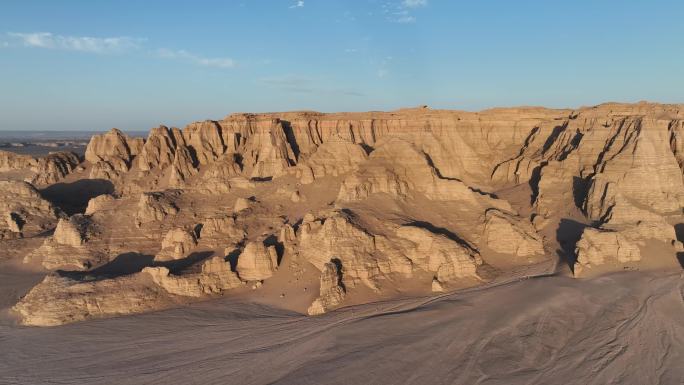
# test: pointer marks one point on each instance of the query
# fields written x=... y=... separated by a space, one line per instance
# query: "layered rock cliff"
x=378 y=203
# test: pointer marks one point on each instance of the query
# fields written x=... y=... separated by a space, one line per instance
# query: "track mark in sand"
x=633 y=324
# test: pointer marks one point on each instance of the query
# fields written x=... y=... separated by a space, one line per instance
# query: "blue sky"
x=92 y=65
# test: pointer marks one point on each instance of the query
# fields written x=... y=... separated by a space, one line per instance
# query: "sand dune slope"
x=623 y=328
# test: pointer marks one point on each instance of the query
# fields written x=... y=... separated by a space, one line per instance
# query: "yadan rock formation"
x=320 y=211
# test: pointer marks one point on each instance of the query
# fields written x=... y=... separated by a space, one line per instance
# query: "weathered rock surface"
x=639 y=164
x=40 y=171
x=112 y=147
x=409 y=201
x=222 y=226
x=176 y=244
x=597 y=247
x=159 y=150
x=67 y=248
x=71 y=232
x=23 y=211
x=215 y=277
x=337 y=236
x=10 y=161
x=332 y=158
x=331 y=290
x=154 y=207
x=58 y=300
x=241 y=204
x=257 y=262
x=98 y=203
x=436 y=253
x=268 y=152
x=506 y=234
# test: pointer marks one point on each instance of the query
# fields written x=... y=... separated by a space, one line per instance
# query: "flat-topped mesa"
x=485 y=150
x=366 y=205
x=270 y=143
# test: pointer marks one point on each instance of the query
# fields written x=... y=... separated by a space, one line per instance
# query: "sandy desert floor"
x=511 y=246
x=621 y=328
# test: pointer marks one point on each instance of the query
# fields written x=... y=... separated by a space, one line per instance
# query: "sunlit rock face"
x=324 y=210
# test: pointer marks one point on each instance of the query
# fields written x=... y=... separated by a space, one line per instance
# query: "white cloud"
x=405 y=19
x=293 y=83
x=106 y=45
x=299 y=4
x=414 y=3
x=305 y=85
x=401 y=12
x=383 y=70
x=195 y=59
x=48 y=40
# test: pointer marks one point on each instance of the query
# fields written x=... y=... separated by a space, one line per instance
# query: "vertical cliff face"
x=368 y=205
x=610 y=163
x=465 y=146
x=637 y=152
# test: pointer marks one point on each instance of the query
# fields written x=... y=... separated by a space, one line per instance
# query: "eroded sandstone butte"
x=320 y=210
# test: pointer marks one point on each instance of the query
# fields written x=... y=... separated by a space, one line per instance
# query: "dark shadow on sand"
x=178 y=265
x=72 y=198
x=272 y=240
x=679 y=232
x=124 y=264
x=441 y=231
x=131 y=263
x=568 y=233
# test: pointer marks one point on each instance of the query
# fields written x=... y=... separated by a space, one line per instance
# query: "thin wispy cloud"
x=299 y=4
x=304 y=85
x=346 y=17
x=100 y=45
x=401 y=12
x=294 y=83
x=404 y=19
x=107 y=45
x=383 y=66
x=414 y=3
x=196 y=59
